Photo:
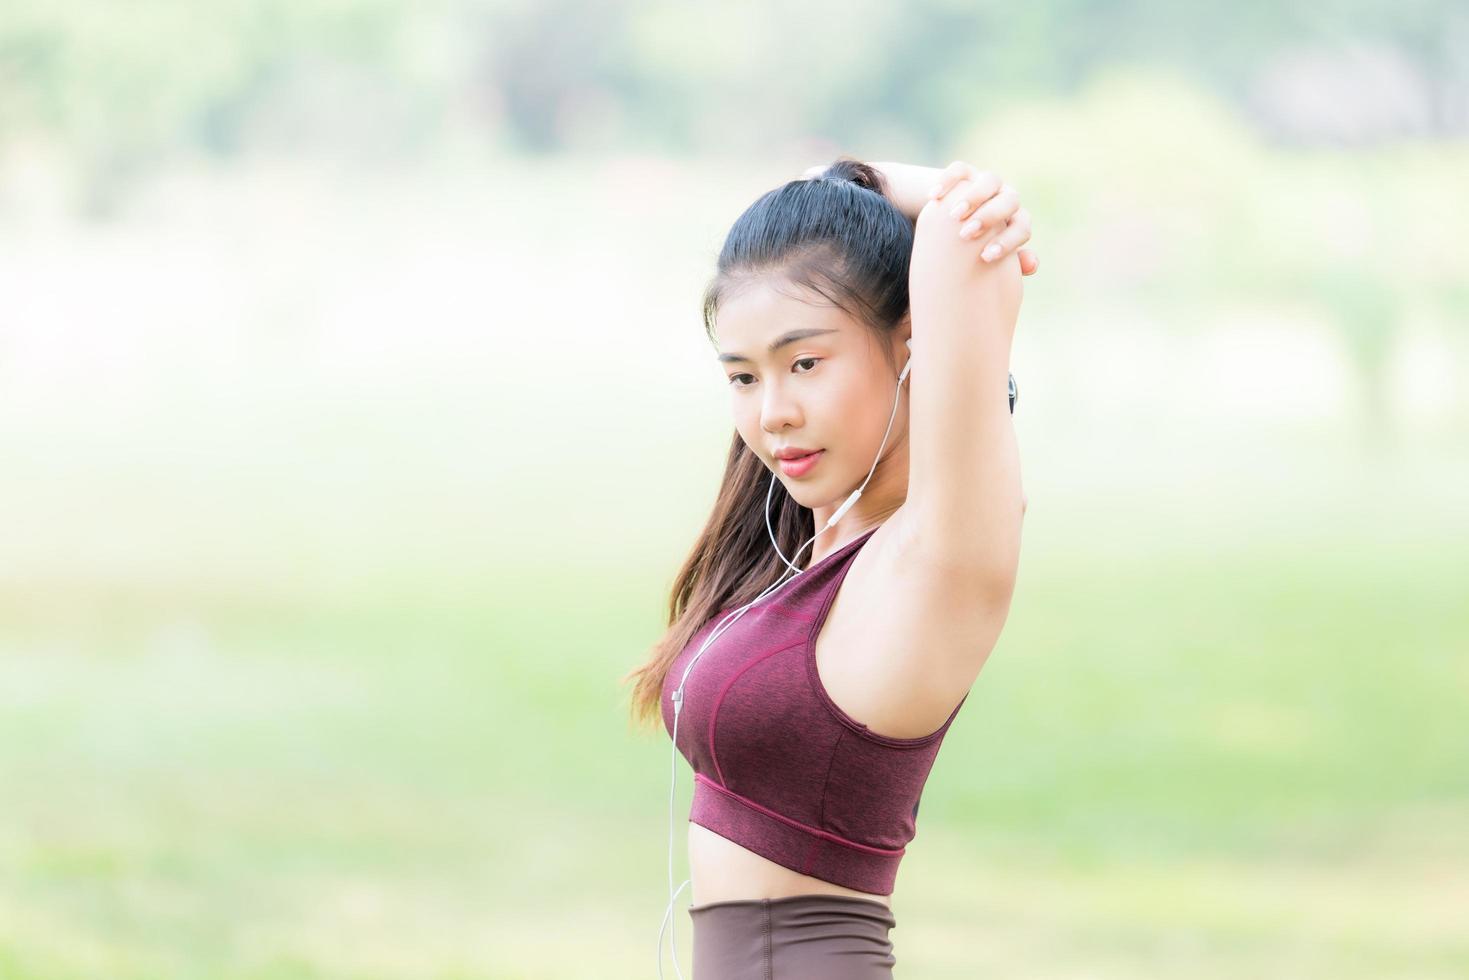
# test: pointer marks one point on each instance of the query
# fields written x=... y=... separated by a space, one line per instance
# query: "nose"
x=778 y=410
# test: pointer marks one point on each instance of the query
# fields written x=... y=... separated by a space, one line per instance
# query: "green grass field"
x=1242 y=760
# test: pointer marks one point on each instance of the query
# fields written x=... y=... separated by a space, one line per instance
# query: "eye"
x=735 y=378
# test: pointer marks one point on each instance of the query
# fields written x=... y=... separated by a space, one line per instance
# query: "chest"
x=847 y=649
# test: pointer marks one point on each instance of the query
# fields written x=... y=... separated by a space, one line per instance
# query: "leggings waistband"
x=795 y=937
x=814 y=899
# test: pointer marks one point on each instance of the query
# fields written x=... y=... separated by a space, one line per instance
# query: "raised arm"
x=909 y=186
x=965 y=502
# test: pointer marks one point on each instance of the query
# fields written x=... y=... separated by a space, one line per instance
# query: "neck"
x=880 y=499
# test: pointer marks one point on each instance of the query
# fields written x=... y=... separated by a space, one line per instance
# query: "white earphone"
x=677 y=695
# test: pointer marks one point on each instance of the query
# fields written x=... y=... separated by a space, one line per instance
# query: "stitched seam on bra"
x=826 y=780
x=821 y=810
x=808 y=863
x=719 y=700
x=825 y=834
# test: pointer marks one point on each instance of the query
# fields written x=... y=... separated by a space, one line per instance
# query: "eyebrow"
x=779 y=342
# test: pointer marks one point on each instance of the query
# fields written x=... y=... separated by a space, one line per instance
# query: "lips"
x=799 y=465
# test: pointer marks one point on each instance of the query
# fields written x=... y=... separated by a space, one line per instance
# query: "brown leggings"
x=799 y=937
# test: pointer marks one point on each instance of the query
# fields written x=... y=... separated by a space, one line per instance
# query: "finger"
x=993 y=215
x=1000 y=208
x=947 y=178
x=1029 y=262
x=979 y=188
x=1015 y=234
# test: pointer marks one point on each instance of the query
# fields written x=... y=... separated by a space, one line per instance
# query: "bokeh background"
x=356 y=414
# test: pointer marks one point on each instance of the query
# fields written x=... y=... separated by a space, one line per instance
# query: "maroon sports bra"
x=778 y=767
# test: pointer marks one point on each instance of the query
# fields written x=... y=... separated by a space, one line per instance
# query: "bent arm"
x=965 y=502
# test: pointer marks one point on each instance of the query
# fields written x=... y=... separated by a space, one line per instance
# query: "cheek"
x=867 y=416
x=748 y=427
x=861 y=403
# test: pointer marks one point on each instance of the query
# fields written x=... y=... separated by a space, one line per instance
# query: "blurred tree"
x=1151 y=193
x=123 y=86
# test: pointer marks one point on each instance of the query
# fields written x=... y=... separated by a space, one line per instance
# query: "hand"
x=909 y=189
x=998 y=210
x=948 y=275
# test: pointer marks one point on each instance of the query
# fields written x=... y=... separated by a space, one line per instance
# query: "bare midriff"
x=723 y=871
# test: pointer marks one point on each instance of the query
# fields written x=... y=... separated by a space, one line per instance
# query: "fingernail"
x=959 y=209
x=990 y=251
x=971 y=229
x=933 y=192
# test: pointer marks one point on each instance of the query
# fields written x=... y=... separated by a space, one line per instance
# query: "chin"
x=803 y=494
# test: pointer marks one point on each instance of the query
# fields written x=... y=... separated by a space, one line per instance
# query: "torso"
x=868 y=669
x=721 y=870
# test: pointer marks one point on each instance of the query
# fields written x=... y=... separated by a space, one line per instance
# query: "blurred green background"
x=357 y=414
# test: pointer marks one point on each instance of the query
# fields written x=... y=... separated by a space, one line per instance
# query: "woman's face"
x=826 y=387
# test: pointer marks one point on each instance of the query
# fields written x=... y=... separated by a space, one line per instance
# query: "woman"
x=811 y=696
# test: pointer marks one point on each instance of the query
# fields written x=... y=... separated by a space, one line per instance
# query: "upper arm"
x=964 y=493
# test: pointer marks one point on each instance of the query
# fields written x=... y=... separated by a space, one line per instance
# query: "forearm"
x=908 y=185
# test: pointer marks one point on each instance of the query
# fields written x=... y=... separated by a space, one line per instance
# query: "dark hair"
x=837 y=235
